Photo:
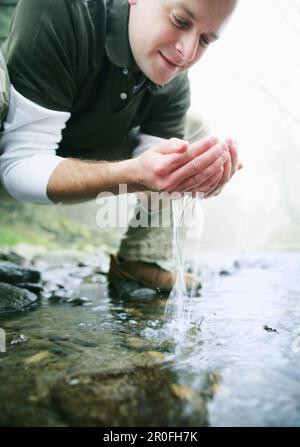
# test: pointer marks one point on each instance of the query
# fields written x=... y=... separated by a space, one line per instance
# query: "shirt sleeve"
x=40 y=53
x=167 y=115
x=4 y=90
x=28 y=146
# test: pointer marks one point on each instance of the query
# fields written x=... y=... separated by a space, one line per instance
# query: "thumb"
x=172 y=146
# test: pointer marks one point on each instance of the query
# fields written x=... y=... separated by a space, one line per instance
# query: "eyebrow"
x=187 y=10
x=192 y=15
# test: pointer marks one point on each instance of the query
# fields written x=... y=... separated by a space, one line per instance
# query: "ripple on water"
x=259 y=369
x=245 y=374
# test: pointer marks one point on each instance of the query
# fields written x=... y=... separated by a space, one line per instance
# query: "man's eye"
x=204 y=40
x=179 y=23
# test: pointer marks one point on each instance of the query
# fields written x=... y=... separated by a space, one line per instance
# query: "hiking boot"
x=148 y=274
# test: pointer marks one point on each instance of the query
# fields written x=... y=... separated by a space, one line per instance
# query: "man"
x=107 y=80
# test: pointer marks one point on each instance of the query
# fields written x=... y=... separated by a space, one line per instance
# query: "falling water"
x=188 y=224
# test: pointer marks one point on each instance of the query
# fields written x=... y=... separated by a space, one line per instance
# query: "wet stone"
x=120 y=289
x=12 y=257
x=137 y=344
x=37 y=358
x=61 y=295
x=18 y=339
x=79 y=301
x=69 y=259
x=86 y=343
x=270 y=329
x=58 y=337
x=13 y=299
x=13 y=274
x=142 y=293
x=34 y=288
x=139 y=396
x=224 y=272
x=131 y=291
x=61 y=351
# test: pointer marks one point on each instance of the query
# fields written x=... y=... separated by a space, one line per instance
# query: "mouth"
x=169 y=63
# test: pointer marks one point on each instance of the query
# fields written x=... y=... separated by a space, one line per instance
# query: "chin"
x=159 y=78
x=155 y=72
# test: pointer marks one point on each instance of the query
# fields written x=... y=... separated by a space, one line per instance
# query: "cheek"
x=164 y=36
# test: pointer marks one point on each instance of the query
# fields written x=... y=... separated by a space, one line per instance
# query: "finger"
x=218 y=189
x=176 y=160
x=173 y=162
x=233 y=153
x=227 y=171
x=203 y=166
x=203 y=176
x=209 y=184
x=201 y=146
x=171 y=146
x=222 y=180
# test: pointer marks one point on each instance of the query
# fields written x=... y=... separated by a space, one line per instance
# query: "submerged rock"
x=37 y=358
x=13 y=299
x=68 y=296
x=80 y=301
x=130 y=290
x=140 y=396
x=13 y=274
x=19 y=339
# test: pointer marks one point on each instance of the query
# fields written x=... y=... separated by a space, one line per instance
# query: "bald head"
x=167 y=37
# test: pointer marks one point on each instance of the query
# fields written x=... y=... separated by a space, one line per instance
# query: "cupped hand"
x=174 y=165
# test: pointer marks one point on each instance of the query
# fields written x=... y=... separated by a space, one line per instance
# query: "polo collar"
x=117 y=40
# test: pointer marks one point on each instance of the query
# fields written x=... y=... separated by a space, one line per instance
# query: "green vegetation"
x=51 y=226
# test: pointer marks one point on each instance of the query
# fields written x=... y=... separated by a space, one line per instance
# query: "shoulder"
x=61 y=12
x=64 y=26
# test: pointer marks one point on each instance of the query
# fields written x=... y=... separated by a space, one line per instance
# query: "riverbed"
x=106 y=360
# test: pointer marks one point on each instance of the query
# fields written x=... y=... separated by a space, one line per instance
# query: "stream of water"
x=228 y=355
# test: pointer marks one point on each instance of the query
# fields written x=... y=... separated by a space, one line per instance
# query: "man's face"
x=167 y=37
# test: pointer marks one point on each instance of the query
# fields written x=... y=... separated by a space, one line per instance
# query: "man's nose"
x=187 y=47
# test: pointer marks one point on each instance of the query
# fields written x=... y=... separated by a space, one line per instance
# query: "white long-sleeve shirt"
x=28 y=147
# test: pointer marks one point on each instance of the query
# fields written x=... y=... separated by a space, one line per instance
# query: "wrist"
x=125 y=172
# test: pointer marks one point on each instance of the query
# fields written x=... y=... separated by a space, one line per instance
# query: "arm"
x=31 y=171
x=160 y=168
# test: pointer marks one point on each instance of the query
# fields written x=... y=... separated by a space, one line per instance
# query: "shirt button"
x=123 y=96
x=125 y=71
